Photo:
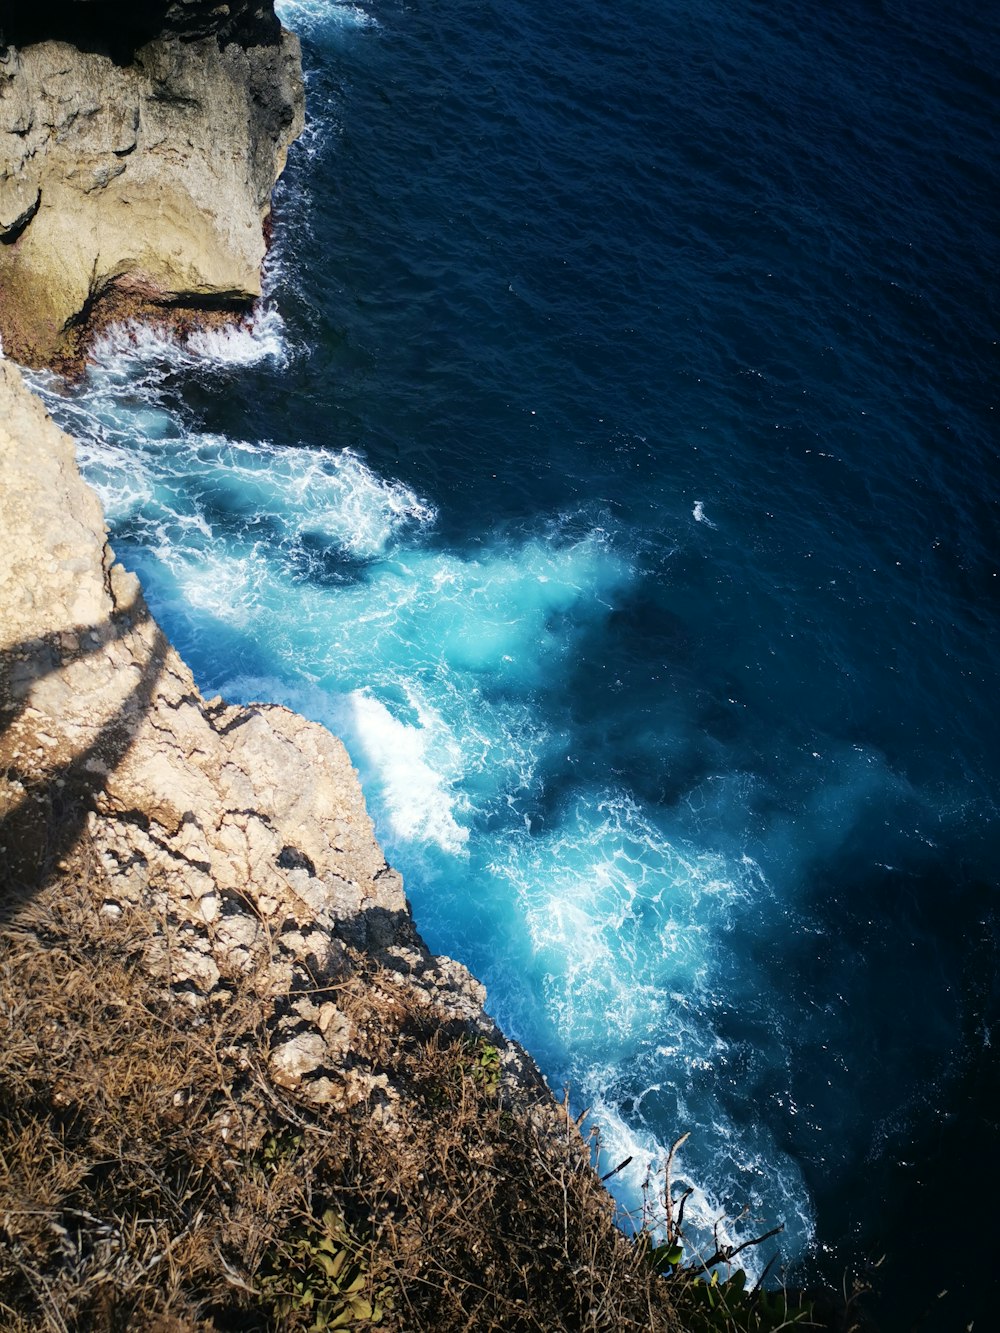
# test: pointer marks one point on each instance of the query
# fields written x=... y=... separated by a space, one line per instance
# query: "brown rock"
x=293 y=1060
x=237 y=815
x=126 y=187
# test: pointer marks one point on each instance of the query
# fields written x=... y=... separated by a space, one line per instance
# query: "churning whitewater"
x=611 y=464
x=308 y=579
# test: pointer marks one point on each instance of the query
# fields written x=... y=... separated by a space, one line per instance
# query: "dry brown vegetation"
x=152 y=1176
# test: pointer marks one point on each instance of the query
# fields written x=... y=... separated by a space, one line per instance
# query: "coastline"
x=136 y=172
x=204 y=879
x=299 y=924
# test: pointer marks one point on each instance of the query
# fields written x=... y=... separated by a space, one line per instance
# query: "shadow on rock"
x=45 y=808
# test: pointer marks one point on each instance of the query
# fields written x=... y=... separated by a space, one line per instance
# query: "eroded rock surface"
x=240 y=833
x=136 y=175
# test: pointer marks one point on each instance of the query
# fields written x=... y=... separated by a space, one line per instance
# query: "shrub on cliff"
x=153 y=1175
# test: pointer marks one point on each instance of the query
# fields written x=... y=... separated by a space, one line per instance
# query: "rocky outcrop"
x=138 y=151
x=241 y=832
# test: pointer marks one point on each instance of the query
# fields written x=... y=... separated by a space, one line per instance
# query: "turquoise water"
x=613 y=465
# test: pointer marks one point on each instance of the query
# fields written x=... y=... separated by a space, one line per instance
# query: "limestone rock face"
x=210 y=806
x=137 y=173
x=242 y=831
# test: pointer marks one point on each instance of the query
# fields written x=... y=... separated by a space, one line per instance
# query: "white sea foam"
x=700 y=516
x=224 y=586
x=420 y=767
x=140 y=460
x=242 y=344
x=359 y=510
x=643 y=1179
x=619 y=913
x=744 y=1168
x=130 y=348
x=307 y=15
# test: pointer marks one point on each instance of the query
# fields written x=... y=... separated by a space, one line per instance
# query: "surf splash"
x=297 y=574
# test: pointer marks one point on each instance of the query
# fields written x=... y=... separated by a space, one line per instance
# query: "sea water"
x=612 y=463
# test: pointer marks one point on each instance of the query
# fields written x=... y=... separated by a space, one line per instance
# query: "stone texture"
x=293 y=1060
x=126 y=186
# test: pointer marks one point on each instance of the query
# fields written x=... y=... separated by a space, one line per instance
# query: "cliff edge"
x=236 y=1089
x=243 y=831
x=139 y=145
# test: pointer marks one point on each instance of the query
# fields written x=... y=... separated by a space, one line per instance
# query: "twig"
x=620 y=1167
x=725 y=1253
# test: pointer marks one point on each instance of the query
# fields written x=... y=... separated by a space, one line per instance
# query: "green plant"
x=725 y=1305
x=710 y=1303
x=320 y=1274
x=471 y=1064
x=279 y=1149
x=484 y=1064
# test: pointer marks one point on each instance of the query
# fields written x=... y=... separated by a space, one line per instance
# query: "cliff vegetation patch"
x=156 y=1177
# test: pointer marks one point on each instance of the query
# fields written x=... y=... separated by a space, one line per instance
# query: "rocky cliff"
x=242 y=830
x=236 y=1090
x=139 y=145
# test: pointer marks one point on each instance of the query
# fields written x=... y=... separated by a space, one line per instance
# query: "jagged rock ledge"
x=139 y=145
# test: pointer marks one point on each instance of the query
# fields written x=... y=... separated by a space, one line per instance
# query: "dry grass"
x=152 y=1177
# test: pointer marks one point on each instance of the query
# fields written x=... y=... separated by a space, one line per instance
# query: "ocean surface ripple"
x=613 y=464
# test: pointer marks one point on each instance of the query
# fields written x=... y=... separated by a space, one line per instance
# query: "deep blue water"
x=614 y=465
